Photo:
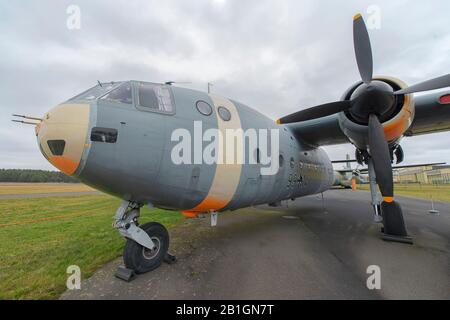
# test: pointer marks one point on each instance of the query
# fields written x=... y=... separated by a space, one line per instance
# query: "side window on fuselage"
x=154 y=97
x=108 y=135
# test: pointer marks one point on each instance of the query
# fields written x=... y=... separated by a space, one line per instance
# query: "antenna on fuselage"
x=99 y=83
x=169 y=83
x=210 y=84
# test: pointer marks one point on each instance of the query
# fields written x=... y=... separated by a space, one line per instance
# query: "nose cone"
x=62 y=136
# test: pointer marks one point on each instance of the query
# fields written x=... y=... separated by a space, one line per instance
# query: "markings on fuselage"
x=68 y=122
x=227 y=176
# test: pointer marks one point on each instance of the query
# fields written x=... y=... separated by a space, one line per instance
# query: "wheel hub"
x=152 y=253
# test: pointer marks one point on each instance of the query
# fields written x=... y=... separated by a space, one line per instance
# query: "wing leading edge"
x=432 y=114
x=319 y=132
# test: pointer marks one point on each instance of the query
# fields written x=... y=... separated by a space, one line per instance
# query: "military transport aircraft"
x=117 y=137
x=343 y=177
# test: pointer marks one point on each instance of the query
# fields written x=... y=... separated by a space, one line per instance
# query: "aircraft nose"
x=62 y=136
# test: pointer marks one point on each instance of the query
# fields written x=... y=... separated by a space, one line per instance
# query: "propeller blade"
x=379 y=151
x=316 y=112
x=363 y=50
x=436 y=83
x=394 y=225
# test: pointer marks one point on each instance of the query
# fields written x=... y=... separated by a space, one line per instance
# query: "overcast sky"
x=275 y=56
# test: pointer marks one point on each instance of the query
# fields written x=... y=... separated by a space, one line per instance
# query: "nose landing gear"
x=147 y=245
x=142 y=259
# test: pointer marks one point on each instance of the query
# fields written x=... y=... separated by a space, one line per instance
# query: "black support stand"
x=400 y=239
x=125 y=274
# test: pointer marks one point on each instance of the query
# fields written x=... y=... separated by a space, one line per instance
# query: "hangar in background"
x=427 y=175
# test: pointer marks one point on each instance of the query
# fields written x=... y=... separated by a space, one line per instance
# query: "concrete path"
x=298 y=252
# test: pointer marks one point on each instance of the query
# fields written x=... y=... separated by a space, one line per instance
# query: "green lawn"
x=40 y=238
x=421 y=191
x=29 y=188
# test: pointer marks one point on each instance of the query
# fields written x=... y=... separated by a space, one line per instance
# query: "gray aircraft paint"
x=138 y=166
x=305 y=170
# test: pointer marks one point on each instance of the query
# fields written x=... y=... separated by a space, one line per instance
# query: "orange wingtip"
x=357 y=16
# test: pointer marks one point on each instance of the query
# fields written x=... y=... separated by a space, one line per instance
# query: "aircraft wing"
x=432 y=114
x=319 y=132
x=395 y=167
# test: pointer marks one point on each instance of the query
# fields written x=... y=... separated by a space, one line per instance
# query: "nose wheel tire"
x=141 y=259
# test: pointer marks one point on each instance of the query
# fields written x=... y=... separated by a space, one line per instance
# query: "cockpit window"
x=147 y=96
x=97 y=91
x=122 y=94
x=155 y=97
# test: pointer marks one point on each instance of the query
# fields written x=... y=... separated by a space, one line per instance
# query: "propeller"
x=379 y=150
x=363 y=49
x=436 y=83
x=372 y=103
x=372 y=96
x=317 y=112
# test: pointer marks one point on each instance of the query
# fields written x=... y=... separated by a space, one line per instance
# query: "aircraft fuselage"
x=134 y=160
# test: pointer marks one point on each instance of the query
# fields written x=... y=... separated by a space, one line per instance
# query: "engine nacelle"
x=394 y=128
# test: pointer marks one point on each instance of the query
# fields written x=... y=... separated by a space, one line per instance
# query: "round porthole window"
x=204 y=108
x=224 y=113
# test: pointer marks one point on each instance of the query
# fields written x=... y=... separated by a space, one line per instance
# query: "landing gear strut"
x=147 y=245
x=376 y=202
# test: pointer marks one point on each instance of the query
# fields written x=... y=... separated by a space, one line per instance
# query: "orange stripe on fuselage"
x=207 y=205
x=227 y=176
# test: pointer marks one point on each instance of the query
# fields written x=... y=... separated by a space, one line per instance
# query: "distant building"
x=439 y=175
x=427 y=175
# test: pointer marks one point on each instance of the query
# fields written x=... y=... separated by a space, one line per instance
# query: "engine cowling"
x=395 y=124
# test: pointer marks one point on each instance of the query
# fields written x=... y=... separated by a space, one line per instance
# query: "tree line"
x=28 y=175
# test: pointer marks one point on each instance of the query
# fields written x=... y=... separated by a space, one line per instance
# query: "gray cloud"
x=275 y=56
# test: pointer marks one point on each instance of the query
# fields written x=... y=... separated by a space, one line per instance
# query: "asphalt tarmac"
x=307 y=250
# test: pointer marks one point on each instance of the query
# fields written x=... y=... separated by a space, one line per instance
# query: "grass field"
x=33 y=188
x=41 y=237
x=421 y=191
